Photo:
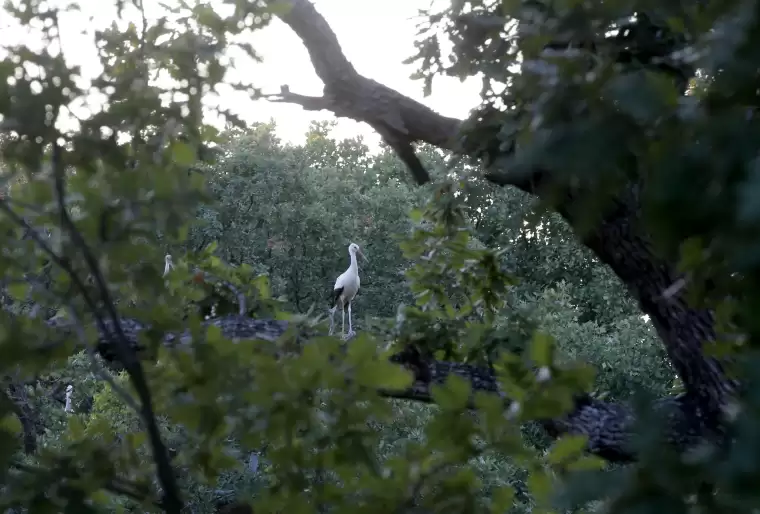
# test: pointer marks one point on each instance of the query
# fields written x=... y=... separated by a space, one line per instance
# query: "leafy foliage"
x=258 y=229
x=291 y=212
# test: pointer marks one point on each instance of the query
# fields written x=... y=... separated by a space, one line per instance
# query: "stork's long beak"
x=362 y=254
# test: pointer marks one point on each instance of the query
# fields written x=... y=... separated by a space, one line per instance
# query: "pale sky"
x=376 y=36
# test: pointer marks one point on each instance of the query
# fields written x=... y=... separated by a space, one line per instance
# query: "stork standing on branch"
x=69 y=392
x=345 y=290
x=168 y=264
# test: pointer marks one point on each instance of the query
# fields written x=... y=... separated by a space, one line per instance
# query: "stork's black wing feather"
x=335 y=296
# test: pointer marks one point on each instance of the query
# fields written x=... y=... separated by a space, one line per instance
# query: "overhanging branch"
x=400 y=120
x=310 y=103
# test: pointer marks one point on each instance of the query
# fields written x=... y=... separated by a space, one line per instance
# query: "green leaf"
x=76 y=428
x=136 y=439
x=210 y=133
x=216 y=339
x=278 y=7
x=19 y=290
x=692 y=254
x=541 y=349
x=261 y=283
x=10 y=423
x=567 y=448
x=453 y=395
x=642 y=95
x=386 y=375
x=587 y=463
x=502 y=499
x=183 y=154
x=540 y=485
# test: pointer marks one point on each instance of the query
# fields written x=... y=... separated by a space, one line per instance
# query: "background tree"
x=633 y=361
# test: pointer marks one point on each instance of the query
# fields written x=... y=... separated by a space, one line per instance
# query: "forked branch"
x=400 y=121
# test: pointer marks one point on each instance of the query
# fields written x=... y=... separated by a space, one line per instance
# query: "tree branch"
x=400 y=120
x=608 y=425
x=310 y=103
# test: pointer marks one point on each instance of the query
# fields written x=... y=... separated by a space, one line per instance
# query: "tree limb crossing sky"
x=376 y=36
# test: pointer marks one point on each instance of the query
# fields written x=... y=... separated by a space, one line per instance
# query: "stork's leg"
x=350 y=326
x=332 y=321
x=343 y=321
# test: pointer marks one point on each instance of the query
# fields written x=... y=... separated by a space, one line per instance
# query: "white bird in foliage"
x=168 y=264
x=69 y=393
x=345 y=290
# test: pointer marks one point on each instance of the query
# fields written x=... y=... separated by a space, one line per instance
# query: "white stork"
x=69 y=391
x=345 y=290
x=168 y=264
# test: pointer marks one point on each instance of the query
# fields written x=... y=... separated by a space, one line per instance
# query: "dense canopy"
x=557 y=314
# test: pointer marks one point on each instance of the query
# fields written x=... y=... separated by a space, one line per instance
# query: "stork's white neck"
x=354 y=265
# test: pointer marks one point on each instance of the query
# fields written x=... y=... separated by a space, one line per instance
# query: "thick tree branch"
x=607 y=425
x=400 y=121
x=618 y=240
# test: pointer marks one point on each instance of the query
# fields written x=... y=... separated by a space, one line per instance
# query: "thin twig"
x=126 y=354
x=410 y=502
x=675 y=288
x=59 y=261
x=310 y=103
